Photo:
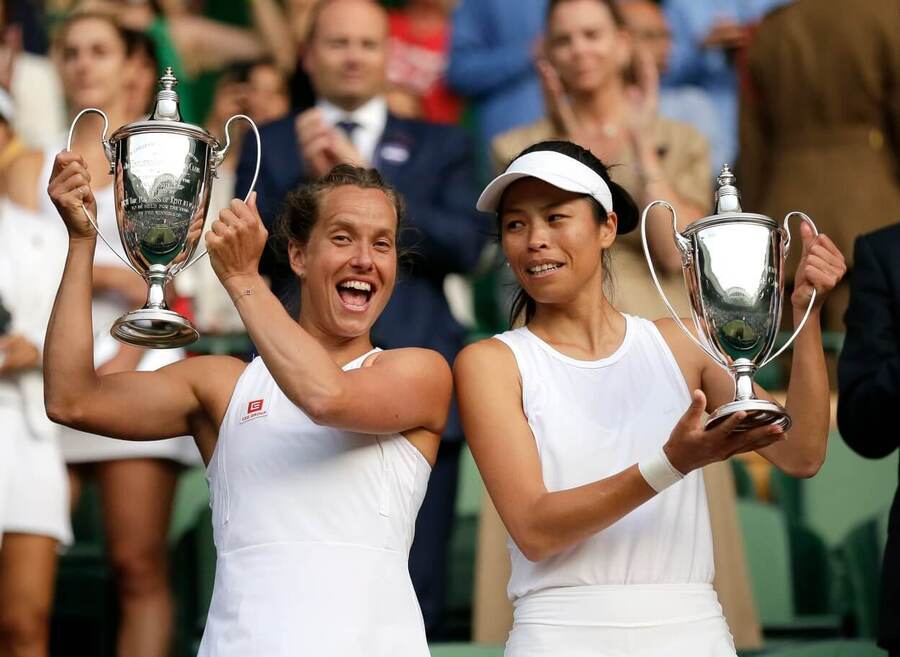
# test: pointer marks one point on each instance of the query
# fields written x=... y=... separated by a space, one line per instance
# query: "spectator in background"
x=820 y=126
x=869 y=388
x=431 y=165
x=492 y=46
x=34 y=494
x=589 y=60
x=686 y=103
x=709 y=36
x=266 y=92
x=193 y=44
x=32 y=81
x=420 y=36
x=143 y=76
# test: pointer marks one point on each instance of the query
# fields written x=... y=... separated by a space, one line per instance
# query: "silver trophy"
x=733 y=263
x=162 y=168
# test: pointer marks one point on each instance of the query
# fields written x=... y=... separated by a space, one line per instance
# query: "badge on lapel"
x=394 y=152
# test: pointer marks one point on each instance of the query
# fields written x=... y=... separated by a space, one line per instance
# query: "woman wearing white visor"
x=588 y=437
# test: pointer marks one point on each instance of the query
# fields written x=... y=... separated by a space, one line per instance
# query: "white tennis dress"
x=643 y=586
x=78 y=446
x=312 y=527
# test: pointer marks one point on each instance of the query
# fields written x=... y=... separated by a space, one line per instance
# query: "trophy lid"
x=728 y=206
x=166 y=115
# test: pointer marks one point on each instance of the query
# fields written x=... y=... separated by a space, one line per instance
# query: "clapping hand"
x=322 y=146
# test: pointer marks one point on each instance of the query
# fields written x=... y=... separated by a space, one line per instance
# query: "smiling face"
x=585 y=45
x=93 y=63
x=553 y=241
x=349 y=264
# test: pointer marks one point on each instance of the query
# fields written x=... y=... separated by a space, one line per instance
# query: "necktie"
x=349 y=127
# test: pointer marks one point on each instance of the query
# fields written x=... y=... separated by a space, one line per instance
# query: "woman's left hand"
x=236 y=241
x=821 y=267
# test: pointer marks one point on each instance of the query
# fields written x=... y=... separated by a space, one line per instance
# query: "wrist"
x=241 y=285
x=658 y=470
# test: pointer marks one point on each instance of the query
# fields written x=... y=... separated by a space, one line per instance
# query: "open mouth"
x=546 y=269
x=355 y=294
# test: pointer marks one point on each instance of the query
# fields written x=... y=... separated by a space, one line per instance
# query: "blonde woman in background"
x=602 y=93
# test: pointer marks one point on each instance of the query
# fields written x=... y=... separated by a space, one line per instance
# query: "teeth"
x=357 y=285
x=542 y=268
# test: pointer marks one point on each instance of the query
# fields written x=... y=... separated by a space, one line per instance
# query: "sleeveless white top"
x=591 y=420
x=312 y=527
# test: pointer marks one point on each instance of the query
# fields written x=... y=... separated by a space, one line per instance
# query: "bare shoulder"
x=411 y=359
x=207 y=374
x=490 y=357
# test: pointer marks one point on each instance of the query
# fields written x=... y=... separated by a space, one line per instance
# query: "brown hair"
x=65 y=25
x=300 y=212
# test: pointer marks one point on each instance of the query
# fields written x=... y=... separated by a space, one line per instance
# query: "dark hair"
x=139 y=42
x=624 y=205
x=613 y=7
x=300 y=212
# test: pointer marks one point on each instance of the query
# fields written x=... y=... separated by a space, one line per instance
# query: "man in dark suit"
x=869 y=389
x=433 y=167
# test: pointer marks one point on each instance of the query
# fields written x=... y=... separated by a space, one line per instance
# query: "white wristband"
x=659 y=471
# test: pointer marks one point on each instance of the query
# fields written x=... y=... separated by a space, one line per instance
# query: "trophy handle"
x=108 y=151
x=219 y=155
x=812 y=299
x=683 y=246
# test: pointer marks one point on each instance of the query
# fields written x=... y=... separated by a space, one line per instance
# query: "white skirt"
x=34 y=488
x=620 y=621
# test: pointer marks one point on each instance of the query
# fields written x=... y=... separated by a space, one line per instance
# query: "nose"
x=537 y=236
x=362 y=258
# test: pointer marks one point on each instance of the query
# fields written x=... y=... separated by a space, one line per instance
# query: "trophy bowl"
x=733 y=265
x=162 y=169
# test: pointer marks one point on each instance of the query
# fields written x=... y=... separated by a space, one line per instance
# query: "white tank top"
x=312 y=527
x=591 y=420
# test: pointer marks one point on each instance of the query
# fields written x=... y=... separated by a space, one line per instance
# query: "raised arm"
x=131 y=405
x=404 y=389
x=541 y=522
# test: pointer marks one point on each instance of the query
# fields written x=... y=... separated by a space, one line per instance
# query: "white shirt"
x=591 y=420
x=370 y=118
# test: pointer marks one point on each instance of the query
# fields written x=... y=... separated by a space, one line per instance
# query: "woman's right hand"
x=70 y=190
x=690 y=446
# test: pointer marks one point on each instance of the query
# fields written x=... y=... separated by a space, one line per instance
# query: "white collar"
x=371 y=116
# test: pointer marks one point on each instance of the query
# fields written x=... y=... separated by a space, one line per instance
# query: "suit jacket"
x=432 y=167
x=820 y=117
x=869 y=387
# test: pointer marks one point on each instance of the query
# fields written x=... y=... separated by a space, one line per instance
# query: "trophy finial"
x=166 y=108
x=728 y=198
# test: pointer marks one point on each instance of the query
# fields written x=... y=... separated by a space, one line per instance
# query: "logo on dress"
x=255 y=409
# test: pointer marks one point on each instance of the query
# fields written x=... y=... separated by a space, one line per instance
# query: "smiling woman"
x=318 y=452
x=588 y=437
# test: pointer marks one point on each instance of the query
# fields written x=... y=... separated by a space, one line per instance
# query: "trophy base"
x=760 y=413
x=154 y=327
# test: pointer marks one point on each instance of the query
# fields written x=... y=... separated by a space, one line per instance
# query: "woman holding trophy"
x=318 y=452
x=578 y=425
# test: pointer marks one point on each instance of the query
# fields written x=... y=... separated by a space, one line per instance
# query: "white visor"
x=552 y=167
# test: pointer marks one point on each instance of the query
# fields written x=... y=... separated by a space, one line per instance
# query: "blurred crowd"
x=801 y=98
